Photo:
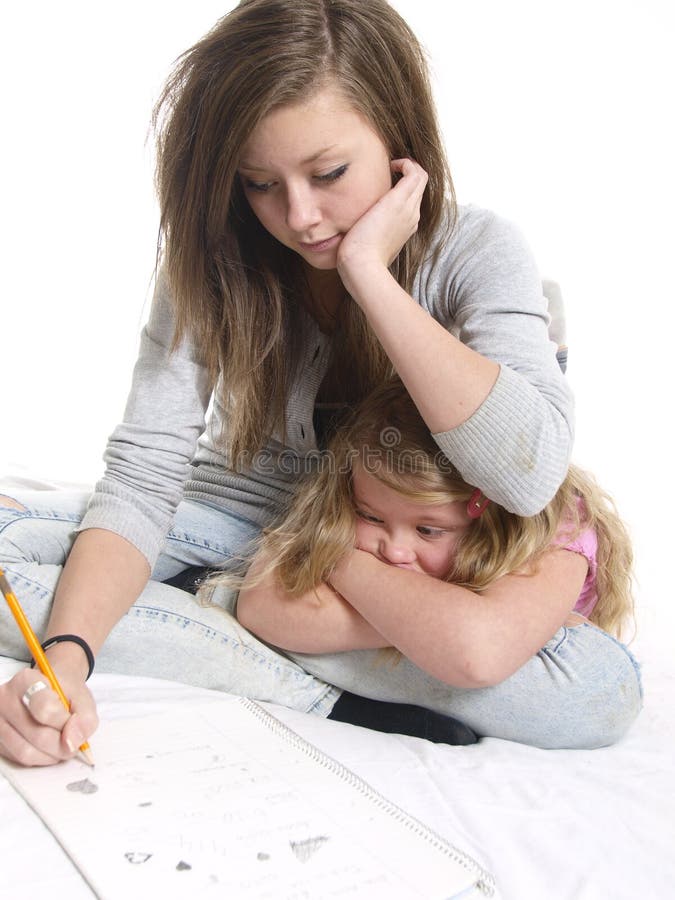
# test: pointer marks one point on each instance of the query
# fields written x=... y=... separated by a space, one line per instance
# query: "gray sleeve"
x=148 y=452
x=516 y=446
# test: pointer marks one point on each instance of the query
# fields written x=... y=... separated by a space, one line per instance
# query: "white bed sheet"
x=558 y=824
x=561 y=825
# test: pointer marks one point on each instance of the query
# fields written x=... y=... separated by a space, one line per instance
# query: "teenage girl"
x=310 y=246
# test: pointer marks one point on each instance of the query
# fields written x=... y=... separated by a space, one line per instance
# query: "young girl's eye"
x=367 y=517
x=332 y=176
x=428 y=532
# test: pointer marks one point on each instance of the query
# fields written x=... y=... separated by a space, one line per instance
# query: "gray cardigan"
x=484 y=287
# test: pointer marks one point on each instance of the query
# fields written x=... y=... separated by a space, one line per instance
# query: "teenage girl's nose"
x=302 y=211
x=395 y=550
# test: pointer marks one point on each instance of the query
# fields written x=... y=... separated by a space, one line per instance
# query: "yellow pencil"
x=37 y=652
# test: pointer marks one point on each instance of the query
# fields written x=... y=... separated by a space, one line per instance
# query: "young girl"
x=310 y=245
x=500 y=620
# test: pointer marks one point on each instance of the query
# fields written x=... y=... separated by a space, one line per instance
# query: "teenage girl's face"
x=311 y=170
x=404 y=533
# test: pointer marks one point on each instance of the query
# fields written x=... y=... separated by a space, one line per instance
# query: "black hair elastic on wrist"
x=74 y=639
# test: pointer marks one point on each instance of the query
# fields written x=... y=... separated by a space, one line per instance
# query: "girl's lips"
x=320 y=246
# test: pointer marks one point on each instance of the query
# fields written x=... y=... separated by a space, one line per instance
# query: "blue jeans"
x=166 y=633
x=581 y=690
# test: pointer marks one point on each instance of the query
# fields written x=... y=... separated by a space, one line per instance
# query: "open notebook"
x=225 y=799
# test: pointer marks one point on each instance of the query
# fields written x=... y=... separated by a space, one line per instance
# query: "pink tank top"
x=587 y=545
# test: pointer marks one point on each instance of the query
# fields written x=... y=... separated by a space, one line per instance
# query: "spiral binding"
x=485 y=883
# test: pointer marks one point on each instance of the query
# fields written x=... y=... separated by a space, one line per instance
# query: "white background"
x=556 y=114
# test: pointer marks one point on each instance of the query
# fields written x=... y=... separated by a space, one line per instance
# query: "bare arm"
x=320 y=621
x=426 y=356
x=479 y=365
x=456 y=635
x=102 y=578
x=124 y=530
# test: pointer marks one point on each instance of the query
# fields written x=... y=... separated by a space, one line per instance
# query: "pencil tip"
x=87 y=757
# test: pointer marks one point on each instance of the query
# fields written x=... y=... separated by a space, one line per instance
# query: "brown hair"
x=237 y=291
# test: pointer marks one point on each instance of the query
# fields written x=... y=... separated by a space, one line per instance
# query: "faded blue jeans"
x=581 y=690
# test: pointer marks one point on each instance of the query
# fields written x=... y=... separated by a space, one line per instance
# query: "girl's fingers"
x=35 y=727
x=414 y=178
x=411 y=186
x=383 y=230
x=15 y=747
x=83 y=721
x=39 y=700
x=75 y=725
x=22 y=738
x=76 y=731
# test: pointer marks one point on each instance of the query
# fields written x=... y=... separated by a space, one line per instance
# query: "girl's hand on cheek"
x=379 y=235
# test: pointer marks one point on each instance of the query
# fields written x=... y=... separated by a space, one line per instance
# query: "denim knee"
x=10 y=551
x=40 y=527
x=581 y=691
x=602 y=691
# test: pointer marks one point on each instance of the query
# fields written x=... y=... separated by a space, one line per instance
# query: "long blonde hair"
x=388 y=437
x=237 y=291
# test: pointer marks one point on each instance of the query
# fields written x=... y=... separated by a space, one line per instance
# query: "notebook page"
x=222 y=798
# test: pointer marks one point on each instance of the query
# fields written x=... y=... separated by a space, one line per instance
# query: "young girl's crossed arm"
x=459 y=636
x=318 y=621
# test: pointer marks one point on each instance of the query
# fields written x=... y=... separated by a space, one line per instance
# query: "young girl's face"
x=404 y=533
x=311 y=170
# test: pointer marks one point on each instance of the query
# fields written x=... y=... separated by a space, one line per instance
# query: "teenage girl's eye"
x=260 y=187
x=332 y=176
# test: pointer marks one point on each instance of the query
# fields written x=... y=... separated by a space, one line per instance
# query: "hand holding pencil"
x=36 y=686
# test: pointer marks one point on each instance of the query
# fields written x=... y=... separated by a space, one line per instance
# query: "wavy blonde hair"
x=388 y=437
x=237 y=291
